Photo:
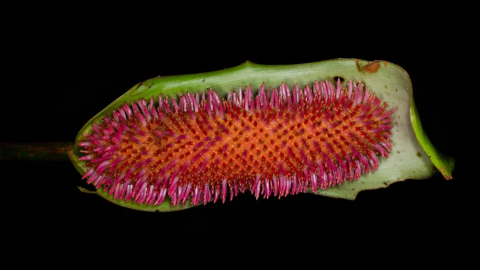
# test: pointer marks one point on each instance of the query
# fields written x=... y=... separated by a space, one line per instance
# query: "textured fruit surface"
x=203 y=148
x=412 y=157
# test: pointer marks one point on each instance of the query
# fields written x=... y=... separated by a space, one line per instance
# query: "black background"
x=57 y=78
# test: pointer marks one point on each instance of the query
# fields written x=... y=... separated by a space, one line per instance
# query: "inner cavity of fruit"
x=203 y=148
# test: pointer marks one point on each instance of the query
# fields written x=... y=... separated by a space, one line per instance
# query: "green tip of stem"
x=443 y=163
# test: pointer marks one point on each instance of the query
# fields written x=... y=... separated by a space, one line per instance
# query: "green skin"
x=412 y=157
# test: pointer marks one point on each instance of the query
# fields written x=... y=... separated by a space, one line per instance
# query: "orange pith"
x=205 y=149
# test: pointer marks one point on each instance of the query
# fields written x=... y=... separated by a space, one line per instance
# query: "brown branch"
x=48 y=151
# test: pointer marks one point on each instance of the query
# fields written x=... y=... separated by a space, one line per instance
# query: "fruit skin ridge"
x=278 y=142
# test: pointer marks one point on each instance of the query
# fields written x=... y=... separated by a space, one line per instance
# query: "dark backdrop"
x=55 y=81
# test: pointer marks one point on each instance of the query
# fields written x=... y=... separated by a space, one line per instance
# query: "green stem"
x=47 y=151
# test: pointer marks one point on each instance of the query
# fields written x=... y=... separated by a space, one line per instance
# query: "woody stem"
x=46 y=151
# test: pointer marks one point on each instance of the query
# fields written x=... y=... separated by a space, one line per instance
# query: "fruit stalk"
x=44 y=151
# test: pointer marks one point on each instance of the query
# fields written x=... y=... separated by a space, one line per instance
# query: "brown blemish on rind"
x=359 y=68
x=442 y=170
x=371 y=67
x=418 y=154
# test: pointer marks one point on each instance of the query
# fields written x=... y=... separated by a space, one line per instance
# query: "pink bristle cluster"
x=203 y=148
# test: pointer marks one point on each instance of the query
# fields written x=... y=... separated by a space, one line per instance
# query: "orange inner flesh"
x=245 y=144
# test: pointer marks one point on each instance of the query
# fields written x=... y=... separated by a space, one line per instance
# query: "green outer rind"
x=166 y=206
x=389 y=82
x=443 y=163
